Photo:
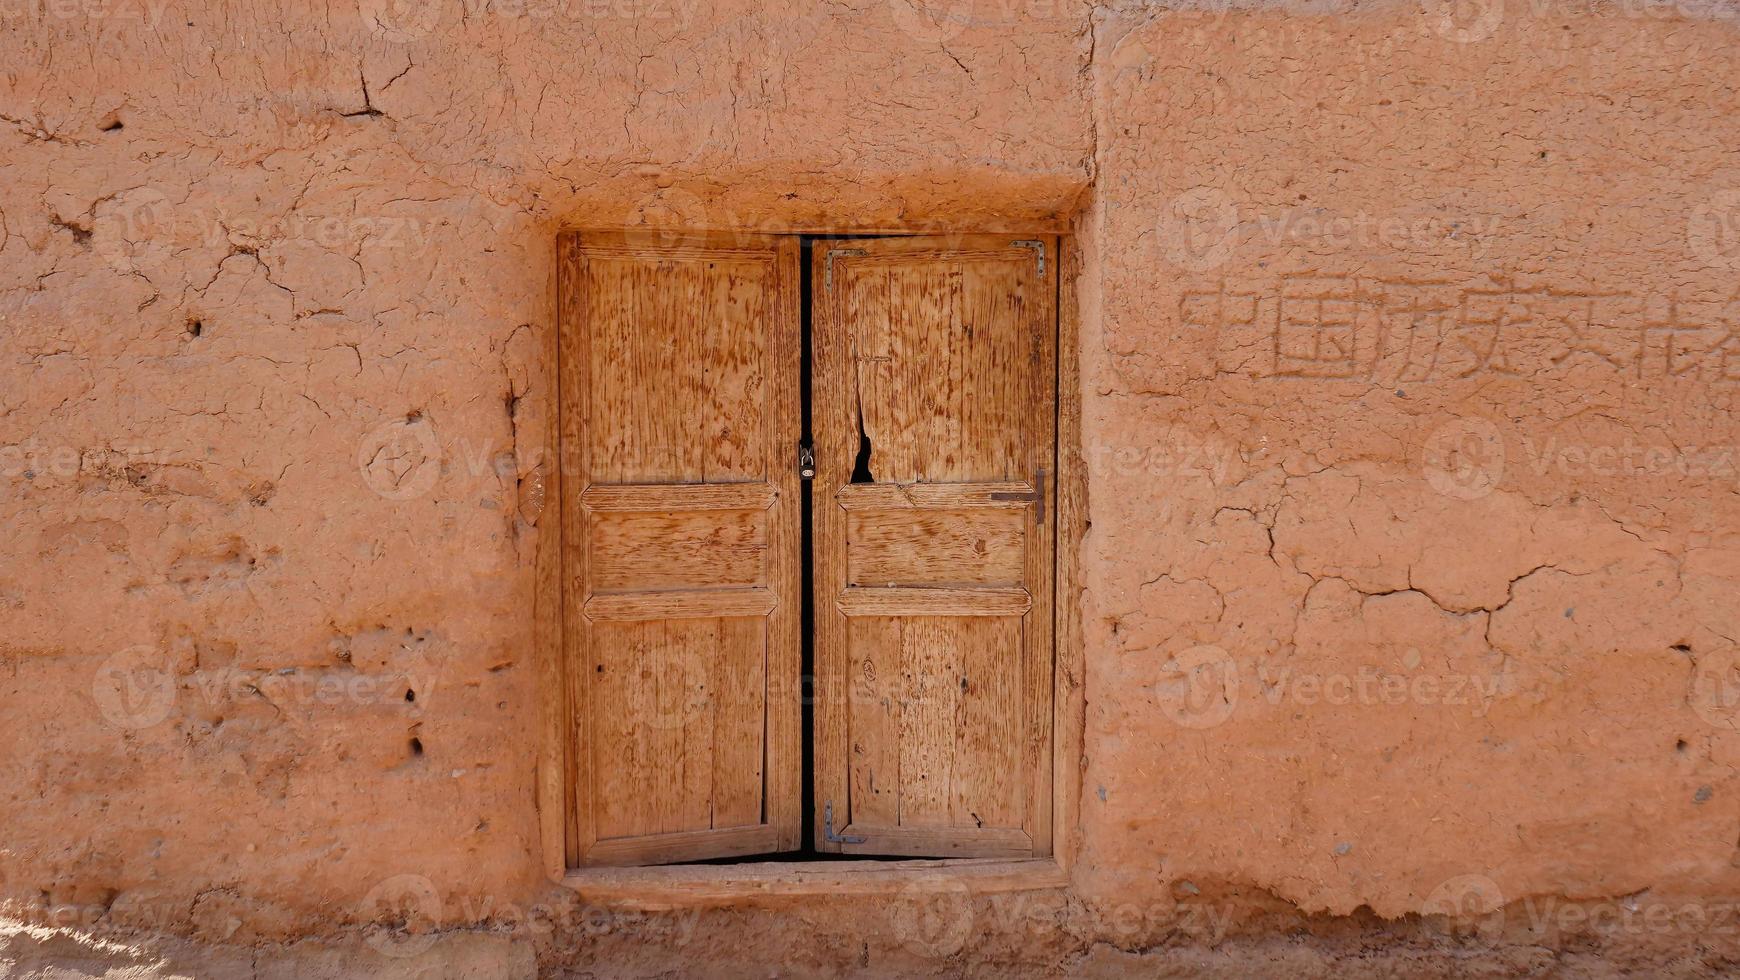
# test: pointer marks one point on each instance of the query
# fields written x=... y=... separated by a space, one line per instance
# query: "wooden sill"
x=765 y=883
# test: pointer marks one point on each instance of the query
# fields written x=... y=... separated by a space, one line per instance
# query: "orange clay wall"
x=1410 y=350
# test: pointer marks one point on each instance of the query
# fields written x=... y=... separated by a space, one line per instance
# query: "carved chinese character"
x=1317 y=326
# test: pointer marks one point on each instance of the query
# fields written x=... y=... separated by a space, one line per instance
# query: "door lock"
x=806 y=461
x=1037 y=497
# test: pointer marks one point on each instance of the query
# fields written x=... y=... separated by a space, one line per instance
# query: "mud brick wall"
x=1410 y=349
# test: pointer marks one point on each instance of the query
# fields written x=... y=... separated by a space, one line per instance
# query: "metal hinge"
x=806 y=461
x=1037 y=497
x=828 y=828
x=1037 y=246
x=828 y=263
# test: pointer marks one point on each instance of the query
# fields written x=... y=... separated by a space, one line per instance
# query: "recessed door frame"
x=540 y=510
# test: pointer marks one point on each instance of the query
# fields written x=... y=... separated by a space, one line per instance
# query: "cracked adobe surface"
x=1409 y=364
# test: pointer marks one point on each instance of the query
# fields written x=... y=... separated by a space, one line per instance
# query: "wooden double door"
x=927 y=665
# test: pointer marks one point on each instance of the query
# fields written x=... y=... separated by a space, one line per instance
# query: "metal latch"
x=828 y=264
x=806 y=461
x=1037 y=497
x=828 y=828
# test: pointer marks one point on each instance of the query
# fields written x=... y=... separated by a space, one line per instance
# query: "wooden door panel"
x=942 y=389
x=679 y=383
x=934 y=377
x=678 y=684
x=863 y=601
x=638 y=552
x=680 y=370
x=941 y=547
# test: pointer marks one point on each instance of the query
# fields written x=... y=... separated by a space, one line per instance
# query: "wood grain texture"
x=555 y=803
x=684 y=846
x=957 y=842
x=633 y=607
x=934 y=547
x=677 y=549
x=572 y=351
x=680 y=381
x=679 y=496
x=785 y=690
x=955 y=496
x=934 y=664
x=877 y=704
x=865 y=601
x=1068 y=673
